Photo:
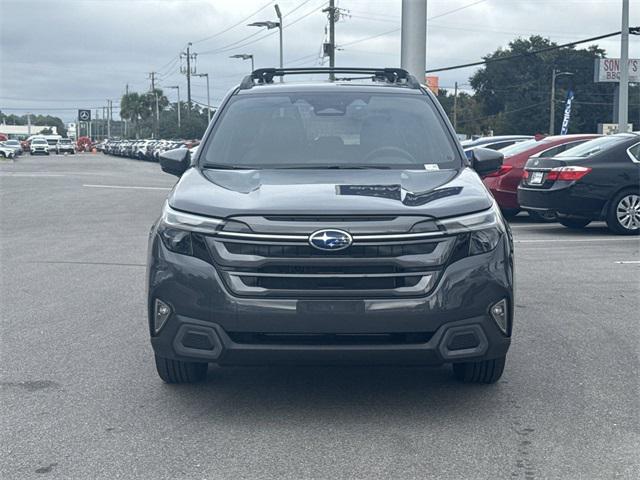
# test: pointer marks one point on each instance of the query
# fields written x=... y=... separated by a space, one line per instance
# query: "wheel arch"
x=630 y=186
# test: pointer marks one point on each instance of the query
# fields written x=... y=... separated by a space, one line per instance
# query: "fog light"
x=500 y=314
x=162 y=312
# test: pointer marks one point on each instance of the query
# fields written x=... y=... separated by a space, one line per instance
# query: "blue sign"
x=567 y=113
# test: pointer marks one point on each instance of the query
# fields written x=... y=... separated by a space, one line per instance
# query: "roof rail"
x=389 y=75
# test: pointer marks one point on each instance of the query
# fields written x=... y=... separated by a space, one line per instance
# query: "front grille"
x=281 y=263
x=333 y=283
x=322 y=339
x=360 y=251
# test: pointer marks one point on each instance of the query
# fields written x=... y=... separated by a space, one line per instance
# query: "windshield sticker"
x=430 y=167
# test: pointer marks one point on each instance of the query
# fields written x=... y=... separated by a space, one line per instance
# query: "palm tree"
x=134 y=107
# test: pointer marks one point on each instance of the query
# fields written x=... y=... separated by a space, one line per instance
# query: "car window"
x=331 y=129
x=634 y=152
x=519 y=147
x=558 y=149
x=499 y=145
x=592 y=147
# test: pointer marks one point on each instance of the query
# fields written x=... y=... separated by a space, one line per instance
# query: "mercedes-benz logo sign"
x=330 y=240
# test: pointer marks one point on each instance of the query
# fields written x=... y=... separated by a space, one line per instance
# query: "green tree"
x=140 y=108
x=515 y=94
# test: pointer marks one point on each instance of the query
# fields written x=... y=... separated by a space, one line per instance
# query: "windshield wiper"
x=222 y=166
x=335 y=167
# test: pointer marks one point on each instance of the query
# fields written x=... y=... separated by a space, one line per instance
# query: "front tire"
x=176 y=371
x=623 y=217
x=575 y=223
x=484 y=371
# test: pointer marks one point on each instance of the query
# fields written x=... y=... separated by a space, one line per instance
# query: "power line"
x=235 y=24
x=398 y=28
x=235 y=44
x=520 y=55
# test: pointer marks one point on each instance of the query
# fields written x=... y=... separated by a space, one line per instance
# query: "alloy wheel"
x=628 y=212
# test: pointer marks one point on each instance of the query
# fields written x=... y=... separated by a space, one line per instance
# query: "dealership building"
x=23 y=131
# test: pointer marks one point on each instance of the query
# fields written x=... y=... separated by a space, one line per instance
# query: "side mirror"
x=484 y=160
x=175 y=161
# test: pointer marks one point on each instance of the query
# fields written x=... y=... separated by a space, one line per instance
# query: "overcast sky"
x=60 y=55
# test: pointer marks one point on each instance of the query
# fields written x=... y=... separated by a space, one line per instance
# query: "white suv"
x=39 y=145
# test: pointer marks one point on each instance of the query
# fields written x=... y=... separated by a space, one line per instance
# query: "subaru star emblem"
x=330 y=240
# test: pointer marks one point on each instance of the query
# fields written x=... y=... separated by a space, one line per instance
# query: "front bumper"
x=239 y=330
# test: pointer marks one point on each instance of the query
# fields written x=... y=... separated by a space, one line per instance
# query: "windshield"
x=331 y=130
x=519 y=147
x=39 y=141
x=592 y=147
x=12 y=142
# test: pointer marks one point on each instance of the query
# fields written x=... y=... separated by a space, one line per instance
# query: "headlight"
x=482 y=230
x=176 y=229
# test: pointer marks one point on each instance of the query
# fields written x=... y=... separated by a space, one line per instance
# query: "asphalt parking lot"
x=81 y=399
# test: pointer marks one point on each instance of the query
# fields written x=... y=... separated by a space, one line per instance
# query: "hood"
x=225 y=193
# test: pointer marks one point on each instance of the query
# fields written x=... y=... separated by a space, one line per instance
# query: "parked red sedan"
x=504 y=183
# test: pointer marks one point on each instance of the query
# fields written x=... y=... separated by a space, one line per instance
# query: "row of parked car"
x=37 y=146
x=572 y=179
x=146 y=149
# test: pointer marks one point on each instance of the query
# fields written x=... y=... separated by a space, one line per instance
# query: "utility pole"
x=109 y=113
x=152 y=76
x=188 y=71
x=455 y=107
x=330 y=49
x=623 y=90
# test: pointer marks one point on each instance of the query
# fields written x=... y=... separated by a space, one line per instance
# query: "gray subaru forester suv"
x=330 y=222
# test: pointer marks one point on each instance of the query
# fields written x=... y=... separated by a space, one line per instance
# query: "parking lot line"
x=138 y=187
x=577 y=240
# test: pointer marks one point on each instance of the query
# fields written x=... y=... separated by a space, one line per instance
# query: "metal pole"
x=455 y=107
x=179 y=108
x=252 y=67
x=208 y=100
x=552 y=105
x=623 y=99
x=279 y=15
x=109 y=113
x=413 y=49
x=332 y=37
x=157 y=115
x=189 y=79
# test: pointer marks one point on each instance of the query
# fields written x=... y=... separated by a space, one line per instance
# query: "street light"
x=552 y=111
x=177 y=87
x=270 y=25
x=244 y=56
x=208 y=101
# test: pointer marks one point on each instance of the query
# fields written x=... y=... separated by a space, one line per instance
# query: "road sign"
x=608 y=70
x=84 y=115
